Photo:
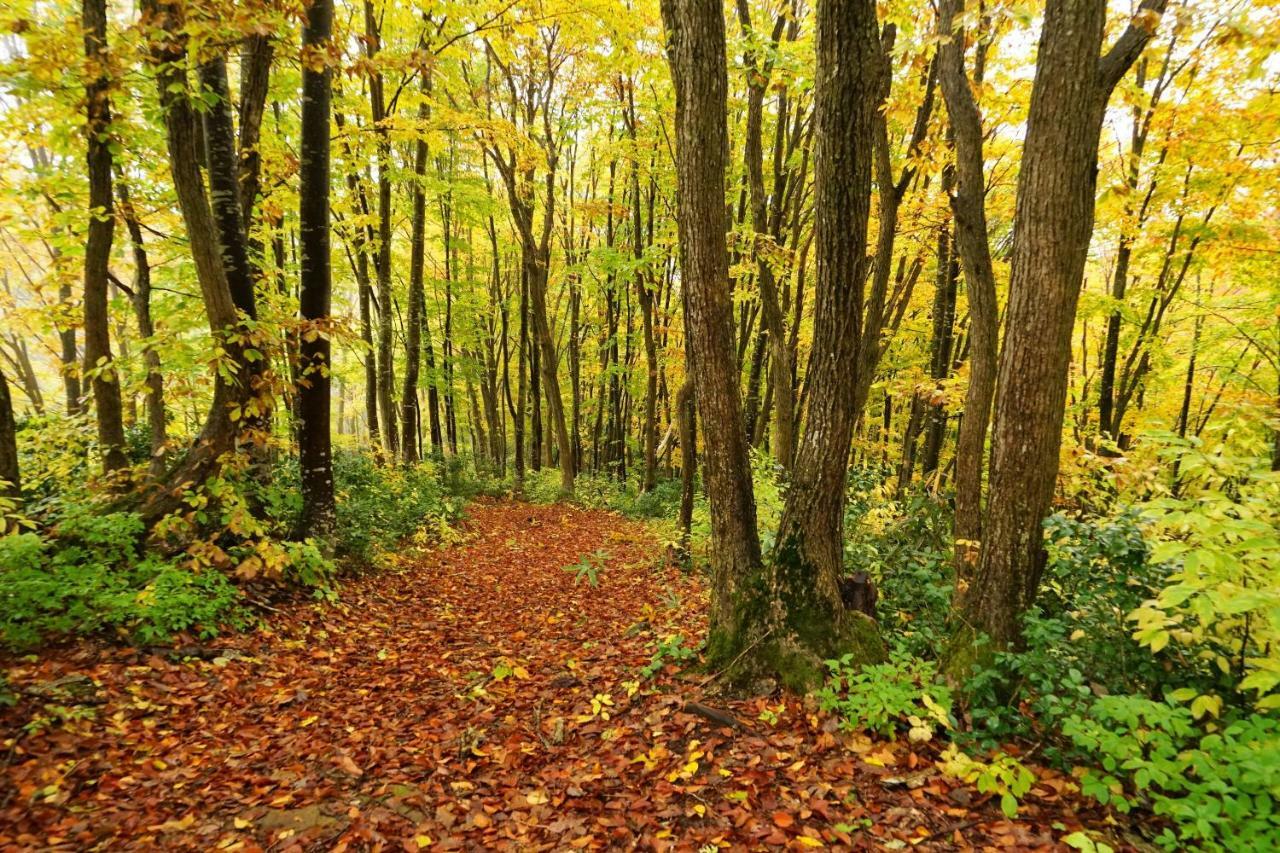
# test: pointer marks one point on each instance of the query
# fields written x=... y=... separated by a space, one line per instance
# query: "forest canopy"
x=936 y=344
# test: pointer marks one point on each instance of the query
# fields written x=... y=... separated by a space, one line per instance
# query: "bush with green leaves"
x=1220 y=610
x=904 y=692
x=1218 y=784
x=905 y=546
x=380 y=505
x=95 y=581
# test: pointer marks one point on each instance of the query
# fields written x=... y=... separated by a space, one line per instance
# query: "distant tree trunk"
x=1055 y=207
x=70 y=356
x=968 y=207
x=944 y=312
x=410 y=417
x=99 y=363
x=157 y=418
x=521 y=378
x=10 y=474
x=313 y=412
x=696 y=51
x=686 y=413
x=535 y=405
x=382 y=263
x=361 y=239
x=773 y=324
x=644 y=293
x=446 y=343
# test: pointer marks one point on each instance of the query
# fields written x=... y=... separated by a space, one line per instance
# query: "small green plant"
x=1003 y=775
x=588 y=567
x=670 y=650
x=1219 y=785
x=880 y=697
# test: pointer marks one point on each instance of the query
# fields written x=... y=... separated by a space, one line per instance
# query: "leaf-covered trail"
x=477 y=699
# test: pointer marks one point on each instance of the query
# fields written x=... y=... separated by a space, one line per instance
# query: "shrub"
x=51 y=590
x=380 y=505
x=1218 y=786
x=881 y=697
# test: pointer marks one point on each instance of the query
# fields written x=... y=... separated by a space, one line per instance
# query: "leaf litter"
x=476 y=697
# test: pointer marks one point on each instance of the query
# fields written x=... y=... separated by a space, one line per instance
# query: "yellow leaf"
x=241 y=823
x=422 y=840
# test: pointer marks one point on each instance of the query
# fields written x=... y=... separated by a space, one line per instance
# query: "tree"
x=696 y=53
x=10 y=474
x=314 y=454
x=968 y=207
x=231 y=391
x=1054 y=218
x=99 y=364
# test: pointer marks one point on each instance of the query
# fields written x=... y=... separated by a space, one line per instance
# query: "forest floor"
x=476 y=696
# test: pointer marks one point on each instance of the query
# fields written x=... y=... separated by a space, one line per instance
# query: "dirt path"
x=477 y=699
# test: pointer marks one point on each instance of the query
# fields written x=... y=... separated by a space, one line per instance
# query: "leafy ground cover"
x=477 y=696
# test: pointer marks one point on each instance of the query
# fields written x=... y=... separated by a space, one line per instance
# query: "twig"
x=947 y=830
x=739 y=656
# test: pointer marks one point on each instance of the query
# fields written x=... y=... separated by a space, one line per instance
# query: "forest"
x=663 y=424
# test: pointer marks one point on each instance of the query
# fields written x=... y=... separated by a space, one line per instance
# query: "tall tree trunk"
x=773 y=324
x=10 y=474
x=410 y=417
x=793 y=617
x=968 y=207
x=522 y=346
x=99 y=363
x=696 y=51
x=221 y=429
x=314 y=435
x=157 y=418
x=382 y=264
x=70 y=356
x=1055 y=206
x=944 y=312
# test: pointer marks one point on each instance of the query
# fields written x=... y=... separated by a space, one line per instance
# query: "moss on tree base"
x=785 y=626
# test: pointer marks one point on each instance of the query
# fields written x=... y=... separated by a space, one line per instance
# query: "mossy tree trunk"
x=787 y=616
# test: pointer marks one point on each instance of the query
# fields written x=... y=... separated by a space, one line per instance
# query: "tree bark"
x=99 y=364
x=968 y=208
x=157 y=418
x=221 y=430
x=313 y=411
x=696 y=52
x=382 y=263
x=410 y=416
x=10 y=474
x=796 y=600
x=1054 y=212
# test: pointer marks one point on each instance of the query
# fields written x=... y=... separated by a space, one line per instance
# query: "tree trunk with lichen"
x=696 y=50
x=787 y=616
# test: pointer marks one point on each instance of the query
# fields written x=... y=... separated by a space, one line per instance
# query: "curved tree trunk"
x=221 y=429
x=968 y=207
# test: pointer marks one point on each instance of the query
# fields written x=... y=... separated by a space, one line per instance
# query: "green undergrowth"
x=75 y=567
